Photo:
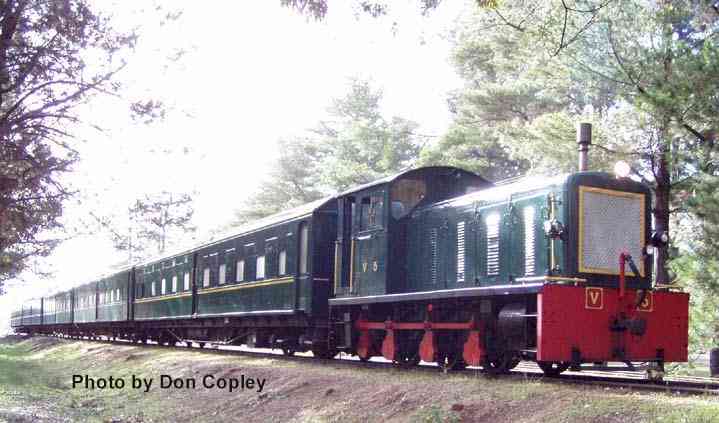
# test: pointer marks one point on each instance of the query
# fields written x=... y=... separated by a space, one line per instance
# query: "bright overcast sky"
x=251 y=75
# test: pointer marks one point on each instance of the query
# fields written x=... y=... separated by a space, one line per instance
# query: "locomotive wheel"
x=449 y=362
x=407 y=360
x=323 y=353
x=288 y=351
x=500 y=365
x=553 y=368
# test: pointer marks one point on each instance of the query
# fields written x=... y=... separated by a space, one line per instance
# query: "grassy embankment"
x=36 y=385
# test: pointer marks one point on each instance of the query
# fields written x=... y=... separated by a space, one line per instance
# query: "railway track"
x=636 y=381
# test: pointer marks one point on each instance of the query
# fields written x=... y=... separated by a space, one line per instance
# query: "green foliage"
x=293 y=181
x=155 y=220
x=355 y=146
x=435 y=414
x=45 y=73
x=698 y=277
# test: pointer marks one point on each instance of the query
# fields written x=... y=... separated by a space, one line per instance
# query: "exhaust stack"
x=584 y=140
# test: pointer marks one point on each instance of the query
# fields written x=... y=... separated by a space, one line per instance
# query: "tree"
x=317 y=9
x=293 y=181
x=53 y=57
x=161 y=215
x=356 y=145
x=645 y=74
x=155 y=220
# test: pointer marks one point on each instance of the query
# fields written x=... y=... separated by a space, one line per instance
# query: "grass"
x=36 y=384
x=39 y=385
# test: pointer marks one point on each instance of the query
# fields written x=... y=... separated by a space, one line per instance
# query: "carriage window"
x=187 y=281
x=304 y=246
x=162 y=286
x=260 y=267
x=283 y=262
x=206 y=277
x=117 y=296
x=152 y=288
x=240 y=271
x=223 y=270
x=174 y=283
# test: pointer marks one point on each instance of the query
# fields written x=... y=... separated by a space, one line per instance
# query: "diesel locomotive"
x=434 y=264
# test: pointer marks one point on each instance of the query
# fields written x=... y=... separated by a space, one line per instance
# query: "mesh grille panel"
x=493 y=245
x=433 y=252
x=611 y=222
x=529 y=240
x=460 y=251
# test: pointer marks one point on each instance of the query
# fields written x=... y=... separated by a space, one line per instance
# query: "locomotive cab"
x=371 y=246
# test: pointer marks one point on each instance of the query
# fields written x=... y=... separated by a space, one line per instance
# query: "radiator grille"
x=460 y=252
x=493 y=245
x=610 y=222
x=433 y=253
x=529 y=240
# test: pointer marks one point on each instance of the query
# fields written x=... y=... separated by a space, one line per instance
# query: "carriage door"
x=369 y=244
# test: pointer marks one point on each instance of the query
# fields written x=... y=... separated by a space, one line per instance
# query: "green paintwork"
x=163 y=308
x=433 y=240
x=374 y=252
x=112 y=297
x=171 y=304
x=432 y=235
x=270 y=295
x=63 y=303
x=85 y=309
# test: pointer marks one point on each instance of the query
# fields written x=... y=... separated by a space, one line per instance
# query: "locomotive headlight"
x=660 y=239
x=622 y=169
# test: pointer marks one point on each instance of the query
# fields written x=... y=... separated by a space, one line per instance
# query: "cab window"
x=371 y=212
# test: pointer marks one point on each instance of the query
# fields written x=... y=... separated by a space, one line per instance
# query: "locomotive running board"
x=442 y=294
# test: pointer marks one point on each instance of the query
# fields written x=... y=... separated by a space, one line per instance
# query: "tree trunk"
x=662 y=199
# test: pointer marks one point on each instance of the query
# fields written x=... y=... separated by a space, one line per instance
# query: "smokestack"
x=584 y=139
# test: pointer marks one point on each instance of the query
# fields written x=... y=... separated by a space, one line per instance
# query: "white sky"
x=252 y=74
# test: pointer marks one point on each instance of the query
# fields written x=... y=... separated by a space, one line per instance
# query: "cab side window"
x=364 y=214
x=371 y=212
